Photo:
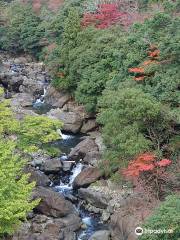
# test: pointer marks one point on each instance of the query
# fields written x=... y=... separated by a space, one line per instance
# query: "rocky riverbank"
x=77 y=202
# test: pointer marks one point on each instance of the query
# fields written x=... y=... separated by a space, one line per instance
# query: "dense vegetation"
x=165 y=218
x=17 y=140
x=126 y=73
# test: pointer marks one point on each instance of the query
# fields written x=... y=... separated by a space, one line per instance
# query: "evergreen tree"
x=133 y=123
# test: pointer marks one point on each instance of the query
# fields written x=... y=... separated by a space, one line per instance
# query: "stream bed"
x=91 y=221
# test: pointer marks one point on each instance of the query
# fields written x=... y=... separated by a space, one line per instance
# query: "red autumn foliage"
x=154 y=54
x=106 y=15
x=148 y=174
x=140 y=78
x=144 y=162
x=139 y=72
x=141 y=163
x=136 y=70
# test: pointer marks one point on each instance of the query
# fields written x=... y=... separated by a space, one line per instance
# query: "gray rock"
x=92 y=158
x=39 y=177
x=105 y=216
x=20 y=60
x=86 y=177
x=94 y=209
x=22 y=99
x=83 y=148
x=72 y=121
x=95 y=198
x=89 y=125
x=53 y=165
x=72 y=222
x=129 y=216
x=101 y=235
x=67 y=165
x=21 y=112
x=42 y=227
x=32 y=86
x=52 y=204
x=56 y=98
x=39 y=158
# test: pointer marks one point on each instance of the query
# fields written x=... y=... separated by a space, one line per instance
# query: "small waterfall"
x=65 y=136
x=40 y=100
x=68 y=187
x=76 y=171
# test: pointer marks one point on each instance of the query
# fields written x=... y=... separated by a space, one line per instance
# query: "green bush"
x=30 y=134
x=15 y=191
x=36 y=131
x=164 y=217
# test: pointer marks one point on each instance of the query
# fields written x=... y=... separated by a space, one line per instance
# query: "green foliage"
x=21 y=32
x=51 y=151
x=165 y=217
x=35 y=131
x=133 y=122
x=56 y=26
x=30 y=134
x=7 y=122
x=61 y=53
x=15 y=191
x=95 y=58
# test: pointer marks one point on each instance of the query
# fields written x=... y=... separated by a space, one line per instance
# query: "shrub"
x=148 y=174
x=165 y=217
x=36 y=131
x=15 y=191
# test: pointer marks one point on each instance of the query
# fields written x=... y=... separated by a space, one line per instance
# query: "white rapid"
x=40 y=100
x=67 y=187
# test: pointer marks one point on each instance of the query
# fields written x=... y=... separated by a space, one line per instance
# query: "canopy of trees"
x=126 y=74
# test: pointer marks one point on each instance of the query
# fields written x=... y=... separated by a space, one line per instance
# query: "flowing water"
x=90 y=220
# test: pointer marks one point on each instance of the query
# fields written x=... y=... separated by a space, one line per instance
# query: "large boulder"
x=133 y=210
x=37 y=176
x=21 y=112
x=72 y=106
x=92 y=158
x=89 y=125
x=15 y=82
x=83 y=148
x=101 y=235
x=95 y=198
x=56 y=98
x=52 y=203
x=22 y=100
x=86 y=177
x=72 y=120
x=52 y=165
x=42 y=227
x=45 y=163
x=39 y=158
x=32 y=86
